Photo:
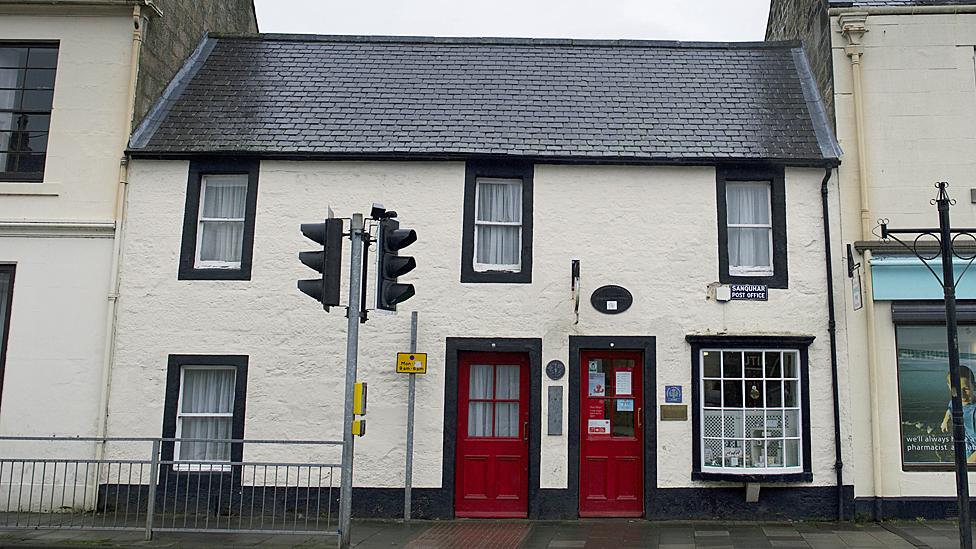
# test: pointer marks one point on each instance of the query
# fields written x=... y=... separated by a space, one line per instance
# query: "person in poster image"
x=967 y=383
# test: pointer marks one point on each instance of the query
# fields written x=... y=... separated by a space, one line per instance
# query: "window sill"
x=214 y=274
x=28 y=188
x=188 y=467
x=753 y=477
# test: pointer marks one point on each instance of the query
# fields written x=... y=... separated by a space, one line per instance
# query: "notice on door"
x=598 y=384
x=598 y=427
x=623 y=379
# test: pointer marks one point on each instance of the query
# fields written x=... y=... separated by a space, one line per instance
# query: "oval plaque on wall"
x=611 y=299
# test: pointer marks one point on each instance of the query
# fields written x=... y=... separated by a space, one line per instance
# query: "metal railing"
x=267 y=486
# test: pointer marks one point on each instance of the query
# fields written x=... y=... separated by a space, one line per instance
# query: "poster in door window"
x=595 y=410
x=598 y=426
x=598 y=384
x=624 y=383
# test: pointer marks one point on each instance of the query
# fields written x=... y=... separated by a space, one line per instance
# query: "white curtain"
x=222 y=217
x=499 y=203
x=207 y=392
x=479 y=413
x=507 y=413
x=748 y=204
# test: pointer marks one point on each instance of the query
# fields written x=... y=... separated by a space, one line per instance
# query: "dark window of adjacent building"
x=205 y=399
x=751 y=408
x=26 y=94
x=6 y=306
x=752 y=226
x=218 y=223
x=497 y=240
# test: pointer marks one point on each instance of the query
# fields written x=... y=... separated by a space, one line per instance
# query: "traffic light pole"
x=352 y=353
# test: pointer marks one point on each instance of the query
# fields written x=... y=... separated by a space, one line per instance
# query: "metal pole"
x=153 y=481
x=952 y=337
x=411 y=396
x=352 y=353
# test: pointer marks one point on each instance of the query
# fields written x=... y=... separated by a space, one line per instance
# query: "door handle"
x=525 y=431
x=639 y=417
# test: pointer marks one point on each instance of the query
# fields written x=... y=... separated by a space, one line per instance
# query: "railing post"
x=153 y=481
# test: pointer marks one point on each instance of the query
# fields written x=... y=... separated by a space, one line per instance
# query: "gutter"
x=904 y=10
x=832 y=333
x=148 y=4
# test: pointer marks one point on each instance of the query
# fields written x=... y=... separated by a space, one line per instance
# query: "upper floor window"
x=752 y=226
x=220 y=235
x=498 y=225
x=497 y=243
x=26 y=94
x=218 y=224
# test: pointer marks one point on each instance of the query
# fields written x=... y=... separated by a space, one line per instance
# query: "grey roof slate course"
x=285 y=95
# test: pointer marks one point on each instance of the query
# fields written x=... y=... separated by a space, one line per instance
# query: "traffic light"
x=391 y=265
x=328 y=261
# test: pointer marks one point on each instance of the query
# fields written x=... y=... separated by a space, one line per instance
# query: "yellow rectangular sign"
x=411 y=363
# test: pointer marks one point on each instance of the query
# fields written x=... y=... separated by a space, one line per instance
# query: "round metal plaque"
x=611 y=299
x=555 y=370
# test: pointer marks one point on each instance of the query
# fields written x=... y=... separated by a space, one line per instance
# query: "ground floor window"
x=924 y=393
x=6 y=306
x=205 y=397
x=750 y=410
x=750 y=405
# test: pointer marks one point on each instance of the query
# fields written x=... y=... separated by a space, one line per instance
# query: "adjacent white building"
x=903 y=82
x=673 y=173
x=71 y=89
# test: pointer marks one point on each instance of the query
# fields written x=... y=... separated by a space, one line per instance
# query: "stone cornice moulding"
x=57 y=229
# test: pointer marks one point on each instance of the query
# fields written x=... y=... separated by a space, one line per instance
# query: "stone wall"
x=807 y=21
x=171 y=38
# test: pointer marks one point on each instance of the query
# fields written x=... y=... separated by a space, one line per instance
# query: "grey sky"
x=709 y=20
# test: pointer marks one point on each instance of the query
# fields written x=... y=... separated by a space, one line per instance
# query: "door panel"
x=611 y=437
x=492 y=467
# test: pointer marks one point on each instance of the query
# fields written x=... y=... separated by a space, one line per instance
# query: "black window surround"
x=501 y=169
x=6 y=313
x=27 y=74
x=776 y=176
x=174 y=367
x=798 y=343
x=198 y=169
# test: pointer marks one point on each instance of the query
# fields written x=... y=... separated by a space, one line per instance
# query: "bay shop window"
x=750 y=407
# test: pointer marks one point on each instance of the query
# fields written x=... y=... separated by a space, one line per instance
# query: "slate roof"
x=897 y=3
x=395 y=97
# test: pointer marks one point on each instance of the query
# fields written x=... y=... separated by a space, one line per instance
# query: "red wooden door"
x=492 y=469
x=611 y=445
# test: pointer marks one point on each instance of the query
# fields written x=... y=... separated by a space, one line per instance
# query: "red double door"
x=611 y=434
x=492 y=468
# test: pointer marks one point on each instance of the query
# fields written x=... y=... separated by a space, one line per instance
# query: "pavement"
x=578 y=534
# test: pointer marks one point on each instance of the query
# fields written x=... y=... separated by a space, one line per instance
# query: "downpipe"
x=832 y=334
x=121 y=201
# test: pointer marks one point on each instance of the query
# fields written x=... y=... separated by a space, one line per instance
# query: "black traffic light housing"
x=328 y=261
x=391 y=265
